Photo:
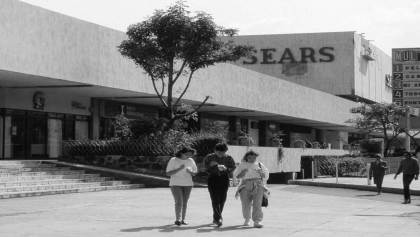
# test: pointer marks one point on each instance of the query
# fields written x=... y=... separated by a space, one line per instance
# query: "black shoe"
x=219 y=223
x=184 y=223
x=406 y=202
x=178 y=223
x=409 y=201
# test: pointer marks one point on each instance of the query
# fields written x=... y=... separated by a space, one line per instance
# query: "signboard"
x=406 y=76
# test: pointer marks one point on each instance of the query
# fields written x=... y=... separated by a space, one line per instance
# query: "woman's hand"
x=261 y=172
x=190 y=171
x=221 y=167
x=242 y=173
x=213 y=163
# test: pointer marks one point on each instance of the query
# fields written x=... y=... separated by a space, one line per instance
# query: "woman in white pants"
x=254 y=176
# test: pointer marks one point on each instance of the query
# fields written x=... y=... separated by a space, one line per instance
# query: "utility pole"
x=408 y=127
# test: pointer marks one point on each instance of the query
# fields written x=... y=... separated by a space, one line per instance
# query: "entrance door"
x=29 y=135
x=18 y=135
x=37 y=135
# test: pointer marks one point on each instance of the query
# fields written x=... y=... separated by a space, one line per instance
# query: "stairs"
x=26 y=178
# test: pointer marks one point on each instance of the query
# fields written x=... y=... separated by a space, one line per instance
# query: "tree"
x=381 y=118
x=171 y=45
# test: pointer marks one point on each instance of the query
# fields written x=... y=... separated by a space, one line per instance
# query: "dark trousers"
x=378 y=181
x=218 y=192
x=407 y=178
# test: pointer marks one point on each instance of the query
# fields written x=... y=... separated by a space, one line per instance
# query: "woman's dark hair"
x=183 y=150
x=249 y=153
x=221 y=147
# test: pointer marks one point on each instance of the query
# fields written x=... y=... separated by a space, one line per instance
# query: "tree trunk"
x=386 y=141
x=386 y=148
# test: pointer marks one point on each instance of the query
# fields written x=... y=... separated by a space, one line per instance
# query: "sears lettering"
x=268 y=56
x=252 y=59
x=305 y=55
x=327 y=52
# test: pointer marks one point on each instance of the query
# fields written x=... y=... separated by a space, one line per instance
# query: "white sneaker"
x=247 y=222
x=258 y=225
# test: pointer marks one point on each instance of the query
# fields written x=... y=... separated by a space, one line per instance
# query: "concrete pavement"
x=293 y=211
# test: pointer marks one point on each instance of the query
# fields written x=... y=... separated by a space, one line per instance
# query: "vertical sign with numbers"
x=406 y=76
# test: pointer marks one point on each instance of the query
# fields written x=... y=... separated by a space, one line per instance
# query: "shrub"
x=146 y=146
x=204 y=142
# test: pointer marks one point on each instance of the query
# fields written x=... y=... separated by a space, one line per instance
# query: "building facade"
x=62 y=78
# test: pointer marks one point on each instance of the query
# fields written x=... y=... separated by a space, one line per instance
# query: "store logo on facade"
x=38 y=100
x=305 y=55
x=77 y=105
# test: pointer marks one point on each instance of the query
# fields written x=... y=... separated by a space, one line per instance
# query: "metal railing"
x=341 y=166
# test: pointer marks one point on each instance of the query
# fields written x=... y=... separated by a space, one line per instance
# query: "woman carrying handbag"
x=254 y=175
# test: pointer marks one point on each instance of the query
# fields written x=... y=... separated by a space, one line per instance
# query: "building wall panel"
x=334 y=77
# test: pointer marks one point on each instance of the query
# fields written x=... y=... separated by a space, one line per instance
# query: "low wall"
x=289 y=162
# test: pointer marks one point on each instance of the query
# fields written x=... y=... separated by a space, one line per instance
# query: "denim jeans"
x=181 y=195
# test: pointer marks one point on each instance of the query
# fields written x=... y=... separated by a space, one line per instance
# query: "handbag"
x=264 y=202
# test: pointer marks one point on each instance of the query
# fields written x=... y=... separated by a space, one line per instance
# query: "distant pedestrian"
x=254 y=175
x=181 y=168
x=409 y=166
x=219 y=166
x=377 y=171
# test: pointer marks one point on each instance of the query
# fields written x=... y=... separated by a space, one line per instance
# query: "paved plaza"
x=293 y=211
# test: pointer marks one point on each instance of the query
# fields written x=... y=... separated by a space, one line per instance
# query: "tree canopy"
x=381 y=118
x=173 y=44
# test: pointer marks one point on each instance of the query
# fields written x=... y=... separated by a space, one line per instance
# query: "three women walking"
x=219 y=167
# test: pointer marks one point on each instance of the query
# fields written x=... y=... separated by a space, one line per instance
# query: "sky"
x=388 y=23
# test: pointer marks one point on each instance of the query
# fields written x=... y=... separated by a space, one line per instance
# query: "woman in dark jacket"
x=219 y=166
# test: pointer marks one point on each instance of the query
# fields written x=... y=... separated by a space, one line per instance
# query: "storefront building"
x=62 y=78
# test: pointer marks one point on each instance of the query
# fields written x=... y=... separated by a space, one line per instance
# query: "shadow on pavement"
x=165 y=228
x=200 y=228
x=221 y=229
x=414 y=215
x=367 y=195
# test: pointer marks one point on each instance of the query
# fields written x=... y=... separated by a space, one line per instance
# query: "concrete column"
x=336 y=138
x=8 y=151
x=344 y=139
x=55 y=135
